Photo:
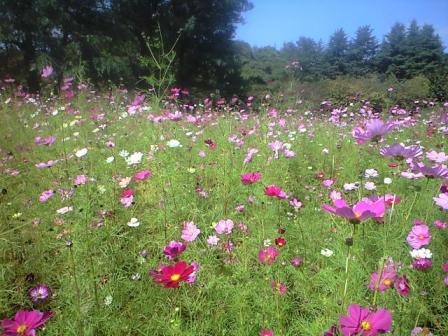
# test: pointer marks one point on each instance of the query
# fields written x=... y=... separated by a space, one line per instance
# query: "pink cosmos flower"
x=127 y=197
x=267 y=255
x=440 y=224
x=212 y=240
x=250 y=178
x=46 y=195
x=49 y=140
x=387 y=280
x=419 y=236
x=143 y=175
x=373 y=130
x=279 y=287
x=190 y=232
x=327 y=183
x=275 y=191
x=47 y=71
x=266 y=332
x=249 y=155
x=361 y=321
x=80 y=180
x=39 y=293
x=359 y=212
x=224 y=226
x=442 y=201
x=25 y=323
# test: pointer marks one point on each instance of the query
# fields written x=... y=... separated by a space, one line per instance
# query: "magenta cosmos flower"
x=250 y=178
x=46 y=195
x=266 y=332
x=174 y=249
x=47 y=71
x=190 y=232
x=359 y=212
x=143 y=175
x=419 y=236
x=267 y=255
x=275 y=191
x=373 y=130
x=25 y=323
x=361 y=321
x=439 y=171
x=385 y=282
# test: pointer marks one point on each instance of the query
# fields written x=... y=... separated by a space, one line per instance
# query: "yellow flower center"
x=387 y=282
x=175 y=277
x=358 y=214
x=421 y=237
x=365 y=325
x=21 y=328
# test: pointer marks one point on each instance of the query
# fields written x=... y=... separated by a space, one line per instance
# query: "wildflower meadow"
x=243 y=216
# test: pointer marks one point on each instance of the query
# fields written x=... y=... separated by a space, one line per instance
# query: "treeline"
x=404 y=53
x=151 y=43
x=133 y=42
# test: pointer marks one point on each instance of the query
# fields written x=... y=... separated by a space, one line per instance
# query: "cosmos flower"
x=174 y=249
x=440 y=171
x=250 y=178
x=279 y=287
x=419 y=236
x=224 y=226
x=401 y=152
x=373 y=130
x=49 y=140
x=266 y=332
x=134 y=158
x=385 y=282
x=361 y=321
x=46 y=195
x=142 y=175
x=442 y=201
x=267 y=255
x=39 y=293
x=296 y=261
x=25 y=323
x=47 y=71
x=212 y=240
x=190 y=232
x=280 y=242
x=437 y=157
x=402 y=285
x=359 y=212
x=275 y=191
x=171 y=276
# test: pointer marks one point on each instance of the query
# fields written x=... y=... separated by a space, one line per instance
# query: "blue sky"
x=273 y=22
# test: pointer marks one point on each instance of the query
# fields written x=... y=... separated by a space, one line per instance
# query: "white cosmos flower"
x=123 y=153
x=173 y=143
x=370 y=173
x=133 y=222
x=421 y=254
x=110 y=159
x=134 y=158
x=387 y=180
x=326 y=252
x=80 y=153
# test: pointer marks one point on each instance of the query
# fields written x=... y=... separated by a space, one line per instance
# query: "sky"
x=274 y=22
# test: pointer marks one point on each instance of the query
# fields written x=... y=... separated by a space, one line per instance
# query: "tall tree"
x=362 y=52
x=391 y=58
x=336 y=54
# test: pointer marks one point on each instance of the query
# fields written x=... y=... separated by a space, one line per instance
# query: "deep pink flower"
x=143 y=175
x=174 y=249
x=402 y=285
x=296 y=261
x=275 y=191
x=440 y=224
x=279 y=287
x=419 y=236
x=250 y=178
x=361 y=321
x=171 y=276
x=25 y=322
x=267 y=255
x=266 y=332
x=422 y=263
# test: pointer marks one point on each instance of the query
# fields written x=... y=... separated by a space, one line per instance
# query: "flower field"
x=254 y=216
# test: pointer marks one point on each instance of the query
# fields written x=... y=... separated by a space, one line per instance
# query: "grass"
x=99 y=279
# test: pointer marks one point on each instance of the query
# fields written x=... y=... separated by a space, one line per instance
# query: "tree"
x=391 y=58
x=336 y=54
x=362 y=52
